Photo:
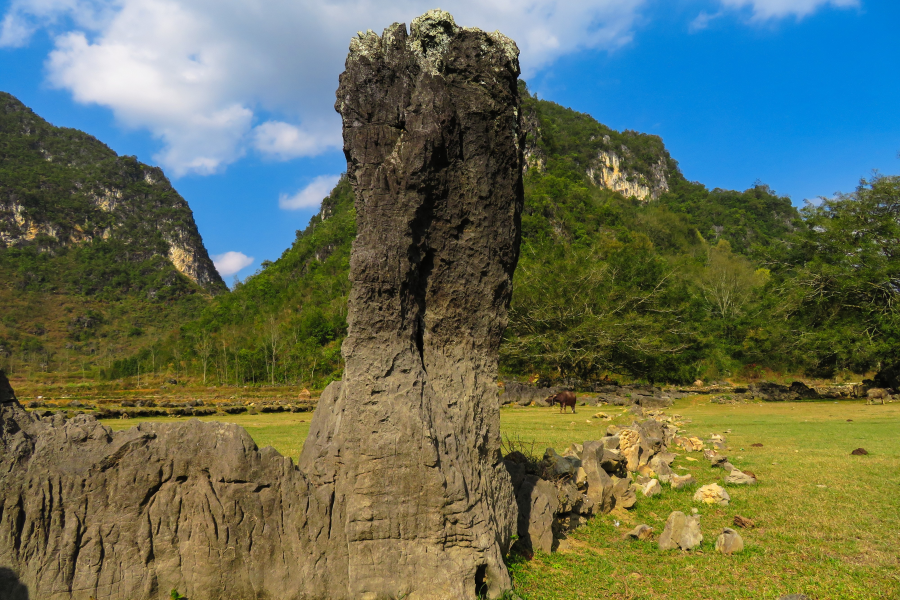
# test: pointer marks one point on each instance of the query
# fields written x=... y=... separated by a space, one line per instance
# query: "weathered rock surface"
x=400 y=490
x=540 y=504
x=681 y=531
x=737 y=477
x=679 y=482
x=729 y=542
x=641 y=532
x=422 y=504
x=651 y=488
x=131 y=515
x=523 y=395
x=712 y=494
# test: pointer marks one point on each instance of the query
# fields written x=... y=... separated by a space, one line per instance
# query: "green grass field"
x=827 y=523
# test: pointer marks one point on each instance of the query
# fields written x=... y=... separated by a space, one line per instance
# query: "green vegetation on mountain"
x=98 y=253
x=677 y=283
x=661 y=289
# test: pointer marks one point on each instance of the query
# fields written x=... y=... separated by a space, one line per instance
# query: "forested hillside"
x=670 y=283
x=627 y=269
x=97 y=251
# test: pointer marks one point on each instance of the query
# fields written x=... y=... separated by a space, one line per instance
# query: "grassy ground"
x=827 y=522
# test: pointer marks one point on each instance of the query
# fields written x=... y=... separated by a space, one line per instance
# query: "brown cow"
x=877 y=394
x=564 y=399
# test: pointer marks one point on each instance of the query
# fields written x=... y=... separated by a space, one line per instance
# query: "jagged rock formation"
x=85 y=512
x=401 y=490
x=411 y=444
x=61 y=187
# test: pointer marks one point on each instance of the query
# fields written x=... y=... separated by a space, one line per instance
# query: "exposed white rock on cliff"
x=607 y=171
x=65 y=187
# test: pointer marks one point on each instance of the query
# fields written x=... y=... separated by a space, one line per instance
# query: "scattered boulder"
x=729 y=542
x=538 y=505
x=652 y=488
x=712 y=494
x=737 y=477
x=623 y=492
x=859 y=452
x=802 y=391
x=661 y=468
x=756 y=445
x=641 y=532
x=630 y=447
x=715 y=459
x=689 y=444
x=556 y=466
x=743 y=522
x=679 y=482
x=681 y=531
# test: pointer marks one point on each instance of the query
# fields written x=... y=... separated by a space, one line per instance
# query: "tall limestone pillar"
x=408 y=446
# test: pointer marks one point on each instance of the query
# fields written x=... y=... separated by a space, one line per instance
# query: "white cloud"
x=285 y=141
x=199 y=74
x=702 y=21
x=311 y=196
x=230 y=263
x=776 y=9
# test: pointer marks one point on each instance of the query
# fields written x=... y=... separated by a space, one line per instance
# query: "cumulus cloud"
x=230 y=263
x=311 y=196
x=212 y=79
x=285 y=141
x=776 y=9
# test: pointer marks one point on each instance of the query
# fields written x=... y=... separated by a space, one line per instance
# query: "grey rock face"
x=729 y=542
x=539 y=505
x=410 y=447
x=681 y=531
x=737 y=477
x=641 y=532
x=131 y=515
x=682 y=481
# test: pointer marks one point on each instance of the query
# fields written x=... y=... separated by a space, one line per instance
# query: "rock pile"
x=561 y=491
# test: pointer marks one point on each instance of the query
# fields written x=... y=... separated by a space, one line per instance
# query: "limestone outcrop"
x=85 y=512
x=401 y=490
x=410 y=444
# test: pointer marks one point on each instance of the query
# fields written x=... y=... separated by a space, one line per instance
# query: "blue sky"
x=234 y=98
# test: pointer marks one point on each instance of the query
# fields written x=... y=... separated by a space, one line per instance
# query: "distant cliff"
x=62 y=189
x=631 y=163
